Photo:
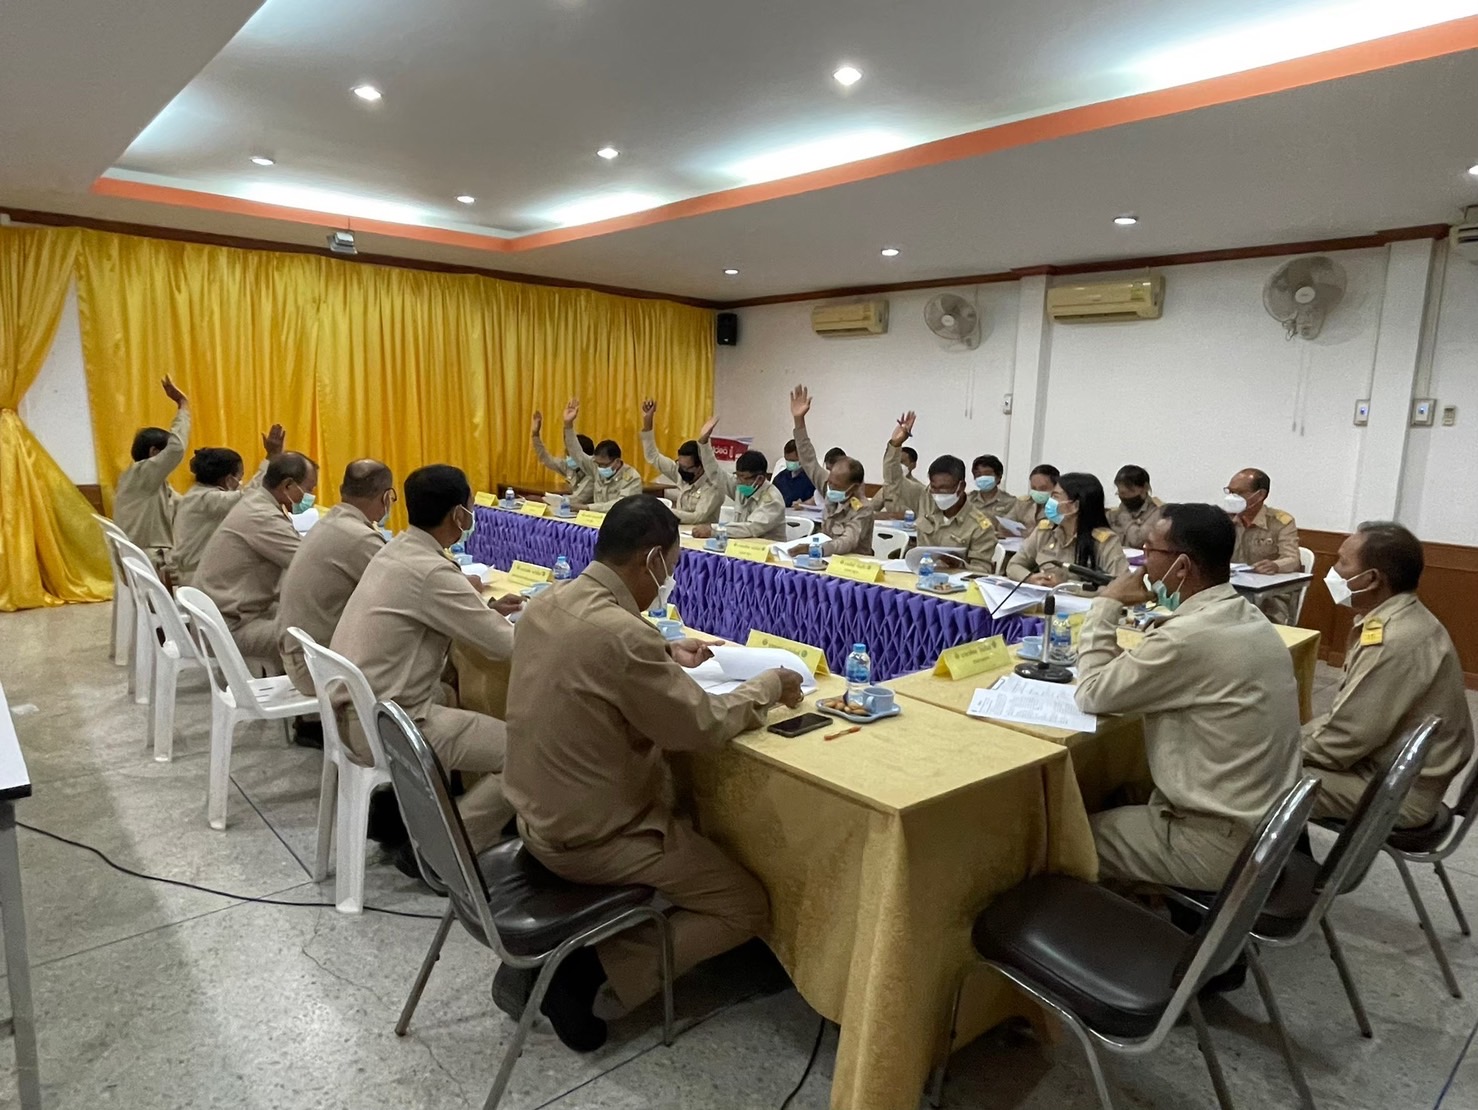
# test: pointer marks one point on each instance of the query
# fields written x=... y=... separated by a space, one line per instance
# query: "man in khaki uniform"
x=987 y=495
x=898 y=494
x=1076 y=504
x=1267 y=538
x=945 y=515
x=700 y=493
x=759 y=507
x=846 y=519
x=331 y=561
x=411 y=603
x=578 y=486
x=241 y=567
x=1216 y=688
x=1137 y=510
x=596 y=700
x=1400 y=667
x=611 y=478
x=143 y=501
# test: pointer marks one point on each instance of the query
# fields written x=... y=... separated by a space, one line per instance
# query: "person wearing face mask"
x=900 y=491
x=1400 y=667
x=144 y=502
x=759 y=508
x=611 y=478
x=1136 y=512
x=1031 y=507
x=846 y=518
x=1074 y=531
x=1267 y=538
x=411 y=602
x=577 y=485
x=1215 y=685
x=242 y=564
x=596 y=700
x=331 y=561
x=986 y=493
x=218 y=472
x=797 y=489
x=945 y=513
x=700 y=494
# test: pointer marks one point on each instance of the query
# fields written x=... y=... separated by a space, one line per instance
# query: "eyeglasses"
x=1164 y=550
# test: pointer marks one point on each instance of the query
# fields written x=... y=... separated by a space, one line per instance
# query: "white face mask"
x=664 y=587
x=1234 y=504
x=1339 y=588
x=945 y=500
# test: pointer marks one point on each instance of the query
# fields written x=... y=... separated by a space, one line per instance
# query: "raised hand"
x=648 y=414
x=538 y=422
x=273 y=439
x=572 y=410
x=903 y=430
x=800 y=403
x=172 y=391
x=706 y=432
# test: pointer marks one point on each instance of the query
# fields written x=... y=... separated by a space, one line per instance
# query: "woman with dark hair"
x=1074 y=531
x=218 y=472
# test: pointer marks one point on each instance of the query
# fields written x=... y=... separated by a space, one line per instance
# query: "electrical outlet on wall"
x=1006 y=405
x=1362 y=412
x=1449 y=415
x=1422 y=411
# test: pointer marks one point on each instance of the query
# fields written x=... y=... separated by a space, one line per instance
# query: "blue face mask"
x=1054 y=511
x=836 y=496
x=304 y=503
x=606 y=472
x=985 y=483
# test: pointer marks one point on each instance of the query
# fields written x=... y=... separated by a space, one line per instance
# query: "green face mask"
x=746 y=491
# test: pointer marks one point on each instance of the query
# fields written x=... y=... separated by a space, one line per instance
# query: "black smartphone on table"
x=797 y=726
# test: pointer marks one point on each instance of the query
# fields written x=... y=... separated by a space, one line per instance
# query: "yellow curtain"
x=355 y=360
x=51 y=550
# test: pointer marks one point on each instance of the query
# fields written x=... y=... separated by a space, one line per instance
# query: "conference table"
x=15 y=783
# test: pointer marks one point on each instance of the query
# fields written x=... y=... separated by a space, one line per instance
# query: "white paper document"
x=733 y=665
x=1000 y=600
x=1024 y=701
x=1011 y=527
x=899 y=566
x=304 y=521
x=1247 y=580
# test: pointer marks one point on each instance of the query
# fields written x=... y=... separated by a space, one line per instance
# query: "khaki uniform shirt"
x=1028 y=512
x=1133 y=527
x=594 y=701
x=242 y=564
x=1216 y=688
x=327 y=567
x=1408 y=670
x=995 y=504
x=144 y=501
x=697 y=502
x=895 y=496
x=1271 y=535
x=760 y=516
x=411 y=603
x=605 y=492
x=578 y=485
x=1048 y=549
x=196 y=518
x=970 y=528
x=846 y=524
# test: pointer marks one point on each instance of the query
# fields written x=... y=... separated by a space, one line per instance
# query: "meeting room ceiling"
x=507 y=104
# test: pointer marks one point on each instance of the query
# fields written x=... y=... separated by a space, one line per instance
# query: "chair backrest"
x=228 y=670
x=121 y=547
x=329 y=671
x=798 y=527
x=164 y=613
x=434 y=825
x=109 y=526
x=1224 y=929
x=1466 y=809
x=1306 y=564
x=889 y=543
x=728 y=512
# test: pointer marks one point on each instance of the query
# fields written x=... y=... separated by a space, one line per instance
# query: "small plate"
x=805 y=562
x=855 y=718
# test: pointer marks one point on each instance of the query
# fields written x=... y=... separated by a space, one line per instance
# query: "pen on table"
x=843 y=732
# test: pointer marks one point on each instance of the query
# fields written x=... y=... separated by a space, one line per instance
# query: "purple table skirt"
x=904 y=631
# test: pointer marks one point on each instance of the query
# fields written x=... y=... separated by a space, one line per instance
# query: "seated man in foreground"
x=1400 y=666
x=595 y=700
x=1216 y=687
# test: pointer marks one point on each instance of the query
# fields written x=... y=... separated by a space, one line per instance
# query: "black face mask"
x=689 y=476
x=1133 y=504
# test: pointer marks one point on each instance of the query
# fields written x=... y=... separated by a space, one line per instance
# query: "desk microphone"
x=1042 y=670
x=1091 y=574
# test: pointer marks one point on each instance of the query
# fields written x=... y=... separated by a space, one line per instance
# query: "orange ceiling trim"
x=1453 y=37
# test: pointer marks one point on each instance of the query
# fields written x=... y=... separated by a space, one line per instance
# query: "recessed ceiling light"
x=1473 y=170
x=731 y=271
x=889 y=252
x=848 y=75
x=608 y=152
x=465 y=199
x=367 y=92
x=1126 y=221
x=262 y=160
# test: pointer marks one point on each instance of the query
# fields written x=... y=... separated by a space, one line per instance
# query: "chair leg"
x=1208 y=1050
x=143 y=657
x=664 y=930
x=936 y=1083
x=432 y=955
x=1457 y=909
x=161 y=715
x=328 y=798
x=515 y=1046
x=1352 y=992
x=1095 y=1061
x=350 y=831
x=1275 y=1017
x=1426 y=920
x=222 y=730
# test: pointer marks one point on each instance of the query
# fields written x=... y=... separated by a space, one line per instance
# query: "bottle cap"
x=859 y=647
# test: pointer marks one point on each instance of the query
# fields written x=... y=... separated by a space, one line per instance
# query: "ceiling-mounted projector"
x=342 y=242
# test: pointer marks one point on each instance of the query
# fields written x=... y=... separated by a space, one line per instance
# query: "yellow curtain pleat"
x=51 y=550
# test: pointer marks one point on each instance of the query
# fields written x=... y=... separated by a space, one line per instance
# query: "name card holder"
x=976 y=657
x=855 y=568
x=590 y=518
x=522 y=575
x=812 y=657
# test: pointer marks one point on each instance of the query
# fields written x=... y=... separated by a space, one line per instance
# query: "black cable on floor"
x=208 y=890
x=811 y=1063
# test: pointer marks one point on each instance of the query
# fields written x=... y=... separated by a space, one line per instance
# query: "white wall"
x=55 y=408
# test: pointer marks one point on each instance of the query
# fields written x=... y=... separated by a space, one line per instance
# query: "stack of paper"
x=1025 y=701
x=1000 y=599
x=304 y=521
x=1011 y=527
x=733 y=665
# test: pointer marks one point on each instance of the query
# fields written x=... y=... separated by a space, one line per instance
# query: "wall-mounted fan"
x=1301 y=293
x=951 y=317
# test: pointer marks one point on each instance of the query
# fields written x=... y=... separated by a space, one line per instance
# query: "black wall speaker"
x=727 y=329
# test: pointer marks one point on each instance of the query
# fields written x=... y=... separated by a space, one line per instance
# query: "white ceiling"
x=508 y=102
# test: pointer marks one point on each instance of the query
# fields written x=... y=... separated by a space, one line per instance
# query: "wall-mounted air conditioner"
x=1140 y=299
x=832 y=321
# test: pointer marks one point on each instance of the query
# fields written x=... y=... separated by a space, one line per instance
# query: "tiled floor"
x=151 y=996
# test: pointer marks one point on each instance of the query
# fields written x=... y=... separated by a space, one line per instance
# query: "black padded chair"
x=505 y=898
x=1118 y=975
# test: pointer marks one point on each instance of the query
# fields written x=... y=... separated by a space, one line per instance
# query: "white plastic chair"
x=344 y=796
x=122 y=627
x=172 y=648
x=234 y=695
x=889 y=543
x=1306 y=563
x=727 y=513
x=140 y=656
x=798 y=527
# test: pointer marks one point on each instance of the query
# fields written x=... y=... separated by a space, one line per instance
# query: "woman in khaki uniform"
x=1074 y=531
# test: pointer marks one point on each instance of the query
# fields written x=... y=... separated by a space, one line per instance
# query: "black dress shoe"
x=512 y=987
x=1229 y=980
x=308 y=734
x=406 y=861
x=568 y=1002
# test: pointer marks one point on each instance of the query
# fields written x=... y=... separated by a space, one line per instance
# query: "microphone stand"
x=1042 y=670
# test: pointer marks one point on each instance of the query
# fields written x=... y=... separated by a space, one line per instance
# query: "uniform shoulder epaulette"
x=1281 y=517
x=1044 y=525
x=1102 y=534
x=856 y=504
x=1023 y=497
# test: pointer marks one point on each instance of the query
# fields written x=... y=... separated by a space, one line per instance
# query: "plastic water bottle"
x=1060 y=640
x=815 y=548
x=926 y=571
x=859 y=677
x=508 y=498
x=459 y=553
x=561 y=569
x=721 y=536
x=564 y=506
x=908 y=518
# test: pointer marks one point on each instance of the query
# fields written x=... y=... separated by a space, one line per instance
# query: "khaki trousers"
x=1153 y=844
x=1340 y=791
x=716 y=904
x=257 y=639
